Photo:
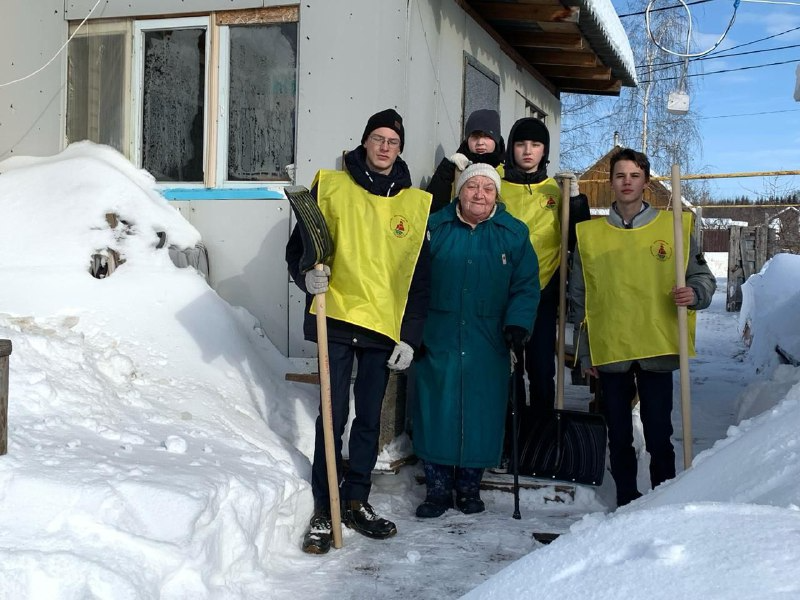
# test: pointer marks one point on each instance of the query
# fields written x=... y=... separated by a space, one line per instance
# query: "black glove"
x=515 y=337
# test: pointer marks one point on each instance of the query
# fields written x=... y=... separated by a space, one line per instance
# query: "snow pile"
x=727 y=527
x=143 y=455
x=768 y=317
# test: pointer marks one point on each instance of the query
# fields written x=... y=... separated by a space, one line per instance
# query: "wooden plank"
x=732 y=304
x=527 y=13
x=761 y=240
x=312 y=378
x=564 y=72
x=534 y=39
x=588 y=85
x=553 y=57
x=252 y=16
x=5 y=352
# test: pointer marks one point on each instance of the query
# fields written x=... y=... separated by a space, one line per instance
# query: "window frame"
x=140 y=27
x=217 y=83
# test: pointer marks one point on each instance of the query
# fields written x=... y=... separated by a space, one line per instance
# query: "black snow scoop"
x=317 y=248
x=567 y=445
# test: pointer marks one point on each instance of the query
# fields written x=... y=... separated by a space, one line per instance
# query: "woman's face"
x=480 y=143
x=477 y=199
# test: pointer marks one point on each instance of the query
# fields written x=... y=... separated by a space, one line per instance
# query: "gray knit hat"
x=478 y=169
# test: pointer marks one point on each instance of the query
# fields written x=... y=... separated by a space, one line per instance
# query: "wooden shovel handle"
x=326 y=410
x=562 y=294
x=683 y=315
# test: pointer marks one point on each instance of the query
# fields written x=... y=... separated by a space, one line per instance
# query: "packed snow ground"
x=156 y=451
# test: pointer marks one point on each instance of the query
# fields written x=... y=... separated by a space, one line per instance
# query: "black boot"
x=470 y=505
x=317 y=539
x=434 y=506
x=361 y=516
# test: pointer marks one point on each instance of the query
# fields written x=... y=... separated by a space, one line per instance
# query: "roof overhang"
x=578 y=46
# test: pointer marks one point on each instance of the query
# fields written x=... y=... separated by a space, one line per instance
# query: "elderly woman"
x=484 y=294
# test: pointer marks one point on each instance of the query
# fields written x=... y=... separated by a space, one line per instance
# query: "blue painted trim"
x=250 y=193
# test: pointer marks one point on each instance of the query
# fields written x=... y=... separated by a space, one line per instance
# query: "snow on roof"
x=611 y=40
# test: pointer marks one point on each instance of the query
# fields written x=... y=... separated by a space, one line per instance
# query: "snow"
x=603 y=13
x=156 y=450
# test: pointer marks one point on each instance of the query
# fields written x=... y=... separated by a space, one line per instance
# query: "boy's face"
x=480 y=143
x=383 y=147
x=628 y=182
x=528 y=154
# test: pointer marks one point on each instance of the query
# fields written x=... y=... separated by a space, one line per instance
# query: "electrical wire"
x=666 y=65
x=773 y=64
x=754 y=114
x=641 y=12
x=687 y=54
x=56 y=55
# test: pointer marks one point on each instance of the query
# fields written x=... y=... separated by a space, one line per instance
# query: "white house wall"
x=355 y=58
x=31 y=112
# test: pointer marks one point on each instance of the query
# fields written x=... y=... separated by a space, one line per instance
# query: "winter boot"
x=361 y=516
x=470 y=504
x=468 y=490
x=317 y=539
x=434 y=506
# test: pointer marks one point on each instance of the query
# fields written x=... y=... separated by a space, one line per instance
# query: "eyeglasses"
x=379 y=140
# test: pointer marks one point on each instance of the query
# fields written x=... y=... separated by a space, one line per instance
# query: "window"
x=263 y=87
x=481 y=87
x=203 y=100
x=97 y=87
x=525 y=108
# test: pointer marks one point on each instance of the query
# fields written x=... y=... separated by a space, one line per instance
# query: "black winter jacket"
x=419 y=293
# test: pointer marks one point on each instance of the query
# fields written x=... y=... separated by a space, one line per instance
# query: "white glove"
x=574 y=190
x=401 y=357
x=317 y=281
x=460 y=161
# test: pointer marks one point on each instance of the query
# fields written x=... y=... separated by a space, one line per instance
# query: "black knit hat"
x=485 y=120
x=530 y=129
x=386 y=118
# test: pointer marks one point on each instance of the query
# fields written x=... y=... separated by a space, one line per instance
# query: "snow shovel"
x=318 y=248
x=683 y=319
x=570 y=445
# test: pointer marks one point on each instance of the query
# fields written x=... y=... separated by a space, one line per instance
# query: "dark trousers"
x=368 y=391
x=655 y=406
x=540 y=365
x=440 y=480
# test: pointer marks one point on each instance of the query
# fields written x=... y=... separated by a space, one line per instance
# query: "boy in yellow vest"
x=378 y=289
x=535 y=198
x=624 y=295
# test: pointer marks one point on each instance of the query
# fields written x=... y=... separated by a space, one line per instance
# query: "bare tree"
x=640 y=114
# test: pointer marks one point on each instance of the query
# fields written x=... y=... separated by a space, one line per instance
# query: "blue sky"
x=734 y=138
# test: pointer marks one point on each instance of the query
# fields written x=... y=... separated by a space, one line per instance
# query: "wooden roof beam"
x=589 y=86
x=564 y=72
x=554 y=57
x=533 y=39
x=527 y=13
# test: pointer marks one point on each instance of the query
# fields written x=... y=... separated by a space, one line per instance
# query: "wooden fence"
x=748 y=250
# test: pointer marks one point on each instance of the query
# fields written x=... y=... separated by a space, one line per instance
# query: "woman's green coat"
x=482 y=280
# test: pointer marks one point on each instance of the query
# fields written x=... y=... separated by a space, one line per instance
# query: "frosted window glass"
x=173 y=104
x=263 y=82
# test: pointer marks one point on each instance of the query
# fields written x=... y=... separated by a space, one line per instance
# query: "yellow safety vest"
x=539 y=207
x=376 y=242
x=629 y=275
